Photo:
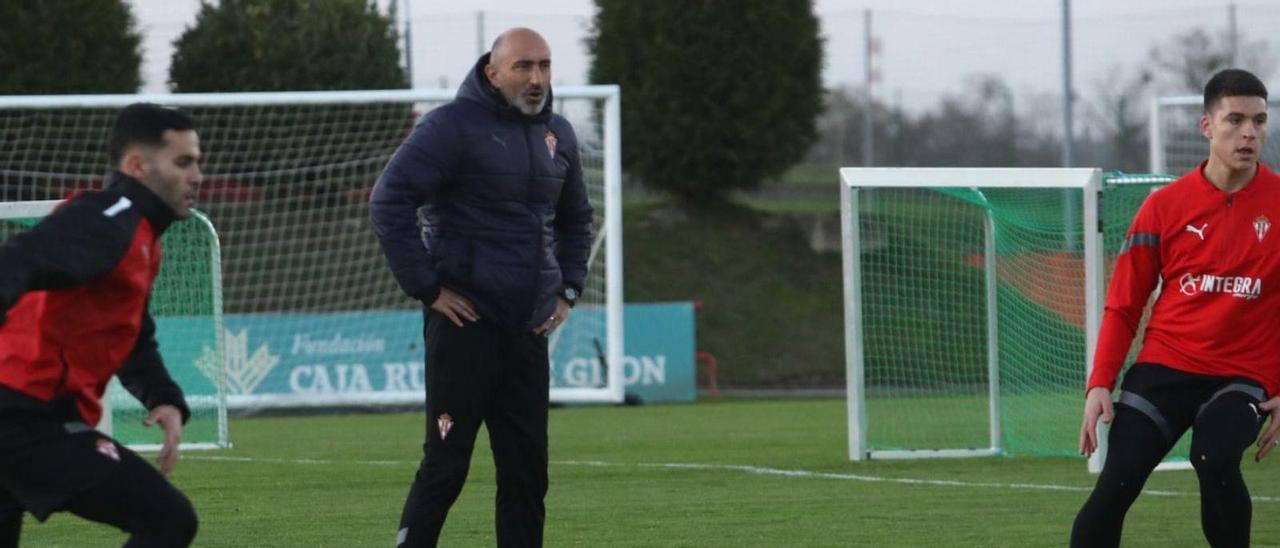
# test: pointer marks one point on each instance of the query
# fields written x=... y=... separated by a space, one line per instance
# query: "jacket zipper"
x=1220 y=243
x=540 y=244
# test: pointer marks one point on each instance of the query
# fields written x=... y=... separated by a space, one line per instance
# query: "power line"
x=1125 y=17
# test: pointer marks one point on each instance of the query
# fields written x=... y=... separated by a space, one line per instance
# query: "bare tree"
x=1186 y=61
x=979 y=127
x=1118 y=111
x=840 y=130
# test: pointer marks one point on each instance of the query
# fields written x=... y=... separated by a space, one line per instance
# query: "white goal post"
x=313 y=318
x=855 y=182
x=973 y=299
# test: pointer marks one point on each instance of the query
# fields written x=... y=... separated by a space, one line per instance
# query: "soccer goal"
x=973 y=298
x=186 y=303
x=312 y=315
x=1175 y=140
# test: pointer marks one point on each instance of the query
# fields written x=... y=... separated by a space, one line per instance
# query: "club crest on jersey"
x=444 y=423
x=1260 y=227
x=550 y=139
x=108 y=449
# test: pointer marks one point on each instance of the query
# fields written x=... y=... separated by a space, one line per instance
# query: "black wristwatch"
x=570 y=295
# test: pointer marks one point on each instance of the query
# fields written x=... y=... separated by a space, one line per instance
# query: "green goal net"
x=968 y=304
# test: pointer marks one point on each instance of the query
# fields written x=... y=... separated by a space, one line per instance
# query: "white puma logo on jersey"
x=1199 y=231
x=120 y=205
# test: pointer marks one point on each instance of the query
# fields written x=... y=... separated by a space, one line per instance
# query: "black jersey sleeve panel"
x=144 y=374
x=79 y=242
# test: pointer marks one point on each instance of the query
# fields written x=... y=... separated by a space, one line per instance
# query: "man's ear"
x=133 y=164
x=1204 y=125
x=491 y=72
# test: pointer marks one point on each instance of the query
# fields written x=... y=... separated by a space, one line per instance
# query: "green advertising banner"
x=287 y=360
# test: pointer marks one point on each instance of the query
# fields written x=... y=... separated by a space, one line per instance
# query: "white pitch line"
x=754 y=470
x=764 y=471
x=299 y=461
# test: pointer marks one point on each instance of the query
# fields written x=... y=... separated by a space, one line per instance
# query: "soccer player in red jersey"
x=1210 y=358
x=73 y=312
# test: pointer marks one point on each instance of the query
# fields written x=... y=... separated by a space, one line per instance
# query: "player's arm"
x=145 y=376
x=573 y=221
x=1136 y=274
x=413 y=179
x=1270 y=437
x=80 y=241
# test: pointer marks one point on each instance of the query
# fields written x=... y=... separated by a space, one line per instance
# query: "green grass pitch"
x=732 y=473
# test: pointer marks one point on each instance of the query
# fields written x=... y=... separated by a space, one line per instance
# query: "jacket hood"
x=476 y=88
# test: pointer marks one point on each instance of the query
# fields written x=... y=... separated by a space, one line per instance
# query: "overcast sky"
x=928 y=46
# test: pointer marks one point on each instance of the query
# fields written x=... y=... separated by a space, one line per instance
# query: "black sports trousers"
x=477 y=374
x=52 y=463
x=1157 y=405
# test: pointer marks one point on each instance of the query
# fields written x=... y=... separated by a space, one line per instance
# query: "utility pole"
x=1233 y=39
x=393 y=13
x=898 y=124
x=1067 y=96
x=868 y=135
x=1068 y=130
x=480 y=45
x=408 y=40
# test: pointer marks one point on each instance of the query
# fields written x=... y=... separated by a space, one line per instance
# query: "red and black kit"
x=73 y=299
x=1209 y=357
x=74 y=292
x=1218 y=258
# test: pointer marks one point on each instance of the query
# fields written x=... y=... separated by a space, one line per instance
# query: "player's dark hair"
x=144 y=124
x=1232 y=83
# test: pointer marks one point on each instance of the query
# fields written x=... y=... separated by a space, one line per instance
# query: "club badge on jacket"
x=550 y=139
x=444 y=423
x=108 y=449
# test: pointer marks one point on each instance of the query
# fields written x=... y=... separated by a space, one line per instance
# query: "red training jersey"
x=73 y=304
x=1218 y=258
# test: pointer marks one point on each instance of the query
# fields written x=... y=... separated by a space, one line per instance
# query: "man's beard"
x=523 y=106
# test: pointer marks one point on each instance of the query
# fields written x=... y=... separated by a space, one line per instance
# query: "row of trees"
x=718 y=95
x=68 y=46
x=93 y=46
x=233 y=45
x=985 y=124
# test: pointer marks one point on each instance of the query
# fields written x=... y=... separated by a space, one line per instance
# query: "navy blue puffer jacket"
x=489 y=203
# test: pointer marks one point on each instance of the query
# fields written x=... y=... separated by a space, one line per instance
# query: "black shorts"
x=46 y=460
x=1173 y=399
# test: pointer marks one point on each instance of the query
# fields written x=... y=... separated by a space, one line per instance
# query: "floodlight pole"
x=1232 y=36
x=1067 y=98
x=868 y=132
x=480 y=46
x=1068 y=130
x=408 y=41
